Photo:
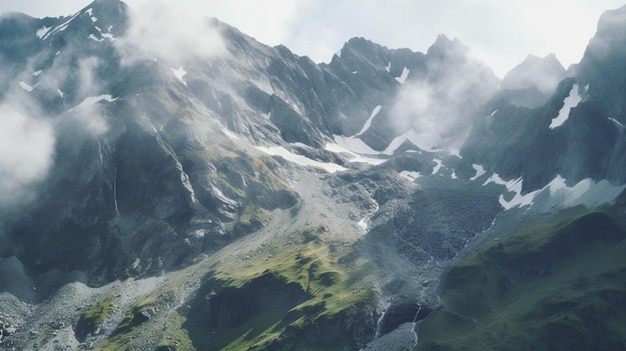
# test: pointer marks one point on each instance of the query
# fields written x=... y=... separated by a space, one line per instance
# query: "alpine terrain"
x=194 y=189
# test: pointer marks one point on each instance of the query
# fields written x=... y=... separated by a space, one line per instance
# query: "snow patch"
x=480 y=171
x=439 y=164
x=388 y=68
x=108 y=36
x=229 y=133
x=60 y=28
x=26 y=87
x=89 y=12
x=104 y=35
x=368 y=123
x=455 y=152
x=403 y=76
x=514 y=186
x=411 y=136
x=61 y=94
x=494 y=112
x=518 y=199
x=184 y=178
x=350 y=145
x=569 y=103
x=363 y=224
x=617 y=123
x=586 y=192
x=41 y=32
x=299 y=159
x=411 y=176
x=92 y=100
x=37 y=73
x=453 y=175
x=180 y=73
x=355 y=72
x=354 y=147
x=93 y=37
x=223 y=198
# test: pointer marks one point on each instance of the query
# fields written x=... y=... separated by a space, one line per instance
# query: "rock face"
x=148 y=175
x=229 y=185
x=531 y=83
x=589 y=141
x=398 y=314
x=577 y=311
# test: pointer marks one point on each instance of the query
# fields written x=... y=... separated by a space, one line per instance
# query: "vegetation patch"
x=94 y=317
x=557 y=283
x=142 y=312
x=299 y=297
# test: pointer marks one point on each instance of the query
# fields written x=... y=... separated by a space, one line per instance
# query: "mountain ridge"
x=168 y=178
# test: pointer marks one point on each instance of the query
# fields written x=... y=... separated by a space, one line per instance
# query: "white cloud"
x=439 y=108
x=27 y=135
x=26 y=149
x=502 y=33
x=167 y=33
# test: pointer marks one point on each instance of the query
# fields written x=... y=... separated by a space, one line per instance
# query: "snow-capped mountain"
x=187 y=187
x=577 y=133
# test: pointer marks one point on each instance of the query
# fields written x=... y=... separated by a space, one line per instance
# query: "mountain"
x=183 y=186
x=531 y=83
x=536 y=297
x=549 y=139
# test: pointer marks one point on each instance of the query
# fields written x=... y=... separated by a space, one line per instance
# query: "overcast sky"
x=501 y=33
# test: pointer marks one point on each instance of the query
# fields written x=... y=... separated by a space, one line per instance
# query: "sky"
x=500 y=33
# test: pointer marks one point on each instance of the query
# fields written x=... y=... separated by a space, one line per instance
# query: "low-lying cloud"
x=440 y=108
x=26 y=150
x=166 y=33
x=28 y=130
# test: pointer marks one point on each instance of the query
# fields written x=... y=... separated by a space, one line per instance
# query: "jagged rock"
x=160 y=162
x=400 y=313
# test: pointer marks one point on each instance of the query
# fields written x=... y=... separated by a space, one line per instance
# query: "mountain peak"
x=543 y=74
x=611 y=21
x=444 y=47
x=360 y=45
x=609 y=40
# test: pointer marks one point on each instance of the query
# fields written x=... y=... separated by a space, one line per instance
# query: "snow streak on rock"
x=403 y=76
x=368 y=123
x=480 y=171
x=568 y=104
x=299 y=159
x=180 y=73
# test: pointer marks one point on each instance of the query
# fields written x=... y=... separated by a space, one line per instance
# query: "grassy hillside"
x=311 y=294
x=555 y=284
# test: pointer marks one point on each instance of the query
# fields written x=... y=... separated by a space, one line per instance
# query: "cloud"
x=440 y=108
x=502 y=33
x=26 y=150
x=167 y=33
x=28 y=131
x=75 y=83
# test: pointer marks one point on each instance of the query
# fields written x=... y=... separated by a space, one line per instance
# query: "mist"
x=26 y=151
x=28 y=131
x=158 y=31
x=440 y=107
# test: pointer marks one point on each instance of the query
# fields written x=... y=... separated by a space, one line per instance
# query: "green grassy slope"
x=310 y=294
x=305 y=297
x=556 y=284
